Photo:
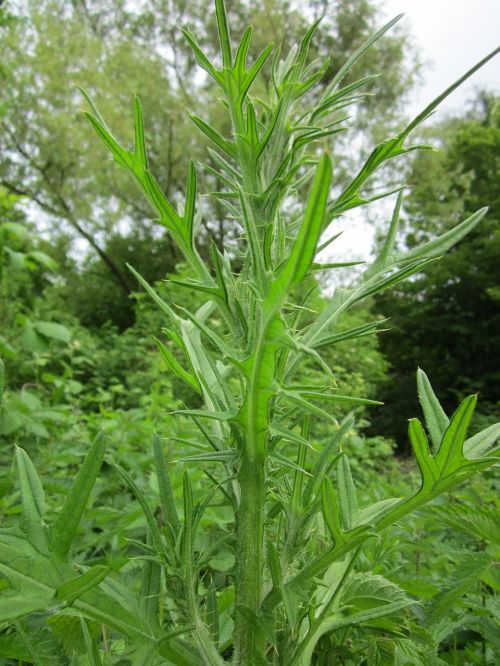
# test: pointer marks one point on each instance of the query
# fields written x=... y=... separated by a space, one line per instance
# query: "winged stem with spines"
x=275 y=149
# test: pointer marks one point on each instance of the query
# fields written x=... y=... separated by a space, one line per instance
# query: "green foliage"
x=51 y=160
x=431 y=316
x=277 y=558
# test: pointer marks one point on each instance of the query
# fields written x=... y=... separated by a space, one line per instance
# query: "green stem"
x=250 y=558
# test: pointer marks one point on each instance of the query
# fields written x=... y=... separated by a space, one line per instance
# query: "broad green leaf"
x=22 y=603
x=65 y=528
x=43 y=259
x=52 y=330
x=178 y=652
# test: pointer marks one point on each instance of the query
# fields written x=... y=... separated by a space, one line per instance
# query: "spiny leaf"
x=224 y=37
x=227 y=146
x=346 y=68
x=201 y=58
x=304 y=247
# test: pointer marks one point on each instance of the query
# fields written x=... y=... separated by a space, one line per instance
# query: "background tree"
x=448 y=318
x=48 y=154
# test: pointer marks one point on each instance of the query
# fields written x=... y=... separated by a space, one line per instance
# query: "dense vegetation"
x=131 y=581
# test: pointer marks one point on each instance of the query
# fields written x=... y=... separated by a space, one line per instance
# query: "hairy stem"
x=250 y=558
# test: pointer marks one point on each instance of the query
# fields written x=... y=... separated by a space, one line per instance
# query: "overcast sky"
x=451 y=35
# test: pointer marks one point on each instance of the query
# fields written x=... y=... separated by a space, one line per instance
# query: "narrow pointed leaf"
x=65 y=528
x=90 y=645
x=33 y=501
x=347 y=493
x=450 y=455
x=190 y=205
x=76 y=587
x=435 y=418
x=201 y=58
x=224 y=36
x=331 y=511
x=346 y=68
x=174 y=366
x=140 y=144
x=151 y=520
x=427 y=464
x=165 y=487
x=122 y=157
x=480 y=444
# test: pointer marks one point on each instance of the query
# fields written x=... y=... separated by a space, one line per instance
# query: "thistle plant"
x=298 y=526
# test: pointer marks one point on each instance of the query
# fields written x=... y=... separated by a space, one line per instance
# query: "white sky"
x=451 y=35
